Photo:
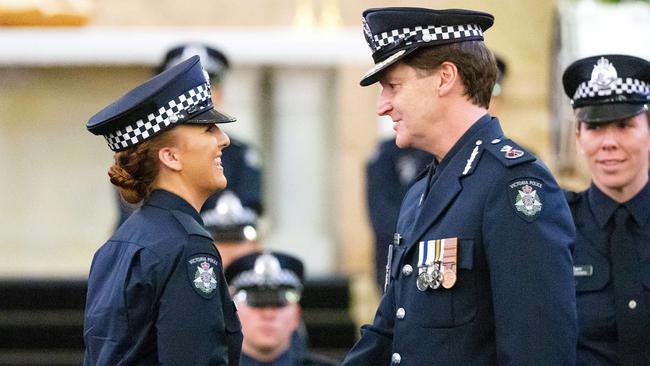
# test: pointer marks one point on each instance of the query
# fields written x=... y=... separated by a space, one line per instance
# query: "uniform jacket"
x=598 y=342
x=513 y=302
x=390 y=172
x=157 y=294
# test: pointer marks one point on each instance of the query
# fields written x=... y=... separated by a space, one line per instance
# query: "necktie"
x=633 y=326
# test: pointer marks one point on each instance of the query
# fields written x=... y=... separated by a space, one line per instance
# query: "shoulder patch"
x=526 y=197
x=191 y=226
x=202 y=271
x=509 y=153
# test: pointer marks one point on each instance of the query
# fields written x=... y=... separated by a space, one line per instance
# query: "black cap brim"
x=374 y=74
x=270 y=297
x=211 y=116
x=608 y=112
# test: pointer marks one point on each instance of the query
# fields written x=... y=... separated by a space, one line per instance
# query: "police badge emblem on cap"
x=607 y=88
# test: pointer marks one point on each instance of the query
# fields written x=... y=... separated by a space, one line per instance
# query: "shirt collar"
x=638 y=206
x=602 y=206
x=170 y=201
x=283 y=359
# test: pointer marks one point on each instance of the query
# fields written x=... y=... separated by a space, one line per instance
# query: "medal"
x=449 y=279
x=421 y=281
x=449 y=262
x=434 y=277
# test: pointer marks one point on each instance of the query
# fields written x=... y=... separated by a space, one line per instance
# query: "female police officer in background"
x=610 y=95
x=156 y=290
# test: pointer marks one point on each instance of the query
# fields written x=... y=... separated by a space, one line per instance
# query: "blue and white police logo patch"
x=525 y=196
x=202 y=270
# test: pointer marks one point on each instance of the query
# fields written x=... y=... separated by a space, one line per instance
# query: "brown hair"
x=475 y=62
x=136 y=168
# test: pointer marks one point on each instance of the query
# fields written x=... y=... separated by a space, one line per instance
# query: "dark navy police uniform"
x=157 y=294
x=598 y=306
x=390 y=172
x=612 y=251
x=481 y=267
x=156 y=289
x=513 y=302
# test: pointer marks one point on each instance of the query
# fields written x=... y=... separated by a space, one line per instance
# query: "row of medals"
x=429 y=277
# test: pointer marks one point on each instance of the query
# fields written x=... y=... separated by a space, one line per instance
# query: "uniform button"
x=401 y=313
x=396 y=358
x=427 y=37
x=407 y=270
x=631 y=304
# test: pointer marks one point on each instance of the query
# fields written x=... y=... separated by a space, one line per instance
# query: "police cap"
x=213 y=60
x=394 y=33
x=229 y=221
x=606 y=88
x=266 y=279
x=178 y=95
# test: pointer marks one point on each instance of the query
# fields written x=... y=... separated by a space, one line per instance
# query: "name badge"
x=583 y=271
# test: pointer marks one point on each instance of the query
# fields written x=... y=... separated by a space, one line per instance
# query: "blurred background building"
x=294 y=88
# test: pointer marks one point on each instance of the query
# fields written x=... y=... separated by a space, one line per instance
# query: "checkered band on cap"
x=619 y=86
x=252 y=279
x=424 y=34
x=160 y=120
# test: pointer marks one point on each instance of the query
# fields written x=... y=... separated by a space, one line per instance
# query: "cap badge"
x=603 y=74
x=366 y=29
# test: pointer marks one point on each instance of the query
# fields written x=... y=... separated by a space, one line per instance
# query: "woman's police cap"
x=394 y=33
x=606 y=88
x=266 y=279
x=178 y=95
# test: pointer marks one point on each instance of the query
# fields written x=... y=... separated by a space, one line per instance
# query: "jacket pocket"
x=455 y=306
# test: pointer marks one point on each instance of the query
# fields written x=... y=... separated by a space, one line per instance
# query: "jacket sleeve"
x=531 y=270
x=376 y=343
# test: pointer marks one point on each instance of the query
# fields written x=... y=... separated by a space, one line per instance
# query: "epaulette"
x=191 y=226
x=572 y=197
x=508 y=152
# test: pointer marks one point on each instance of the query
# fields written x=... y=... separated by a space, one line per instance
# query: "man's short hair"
x=475 y=62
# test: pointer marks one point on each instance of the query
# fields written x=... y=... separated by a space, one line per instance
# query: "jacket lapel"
x=448 y=185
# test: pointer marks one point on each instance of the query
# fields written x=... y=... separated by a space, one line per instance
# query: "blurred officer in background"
x=481 y=270
x=241 y=162
x=233 y=227
x=267 y=287
x=390 y=172
x=610 y=95
x=156 y=289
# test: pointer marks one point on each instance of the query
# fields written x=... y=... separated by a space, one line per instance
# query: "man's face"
x=410 y=98
x=268 y=330
x=617 y=153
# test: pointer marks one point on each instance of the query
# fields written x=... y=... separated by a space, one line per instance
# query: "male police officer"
x=390 y=172
x=233 y=227
x=611 y=95
x=481 y=270
x=267 y=287
x=240 y=161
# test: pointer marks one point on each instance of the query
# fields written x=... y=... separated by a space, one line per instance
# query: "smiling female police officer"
x=610 y=95
x=156 y=290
